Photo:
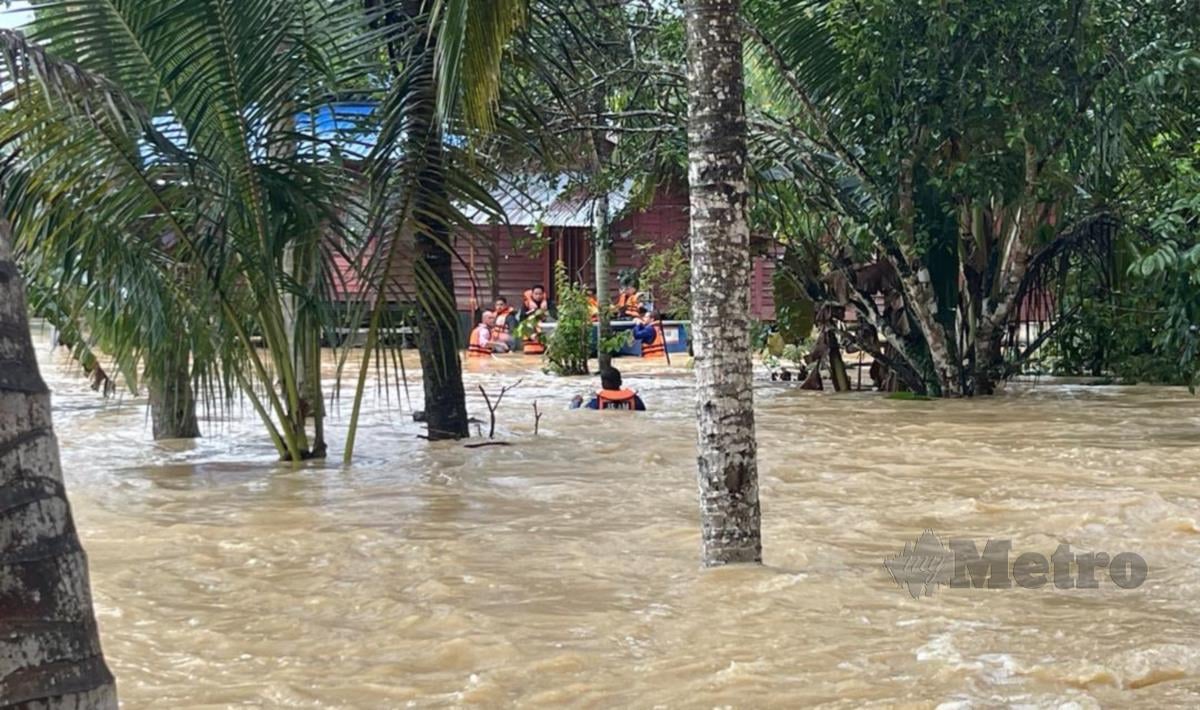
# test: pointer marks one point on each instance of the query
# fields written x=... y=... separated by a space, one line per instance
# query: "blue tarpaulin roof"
x=350 y=127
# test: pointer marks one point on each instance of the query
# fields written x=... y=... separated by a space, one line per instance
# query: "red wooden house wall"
x=635 y=236
x=497 y=260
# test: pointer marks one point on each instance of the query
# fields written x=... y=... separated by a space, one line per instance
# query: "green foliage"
x=532 y=242
x=667 y=274
x=172 y=183
x=1168 y=273
x=759 y=332
x=938 y=136
x=596 y=88
x=472 y=36
x=568 y=347
x=776 y=352
x=211 y=228
x=795 y=311
x=1143 y=330
x=1123 y=337
x=526 y=328
x=614 y=343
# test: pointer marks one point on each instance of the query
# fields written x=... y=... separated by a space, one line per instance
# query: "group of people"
x=494 y=332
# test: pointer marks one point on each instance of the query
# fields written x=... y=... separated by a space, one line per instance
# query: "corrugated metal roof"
x=351 y=128
x=557 y=201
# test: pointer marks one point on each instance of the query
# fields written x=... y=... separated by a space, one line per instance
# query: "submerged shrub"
x=568 y=347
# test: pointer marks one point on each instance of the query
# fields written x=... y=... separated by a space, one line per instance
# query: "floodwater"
x=562 y=570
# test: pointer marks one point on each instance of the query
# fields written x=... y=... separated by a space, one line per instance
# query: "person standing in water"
x=482 y=342
x=647 y=329
x=611 y=395
x=505 y=319
x=535 y=305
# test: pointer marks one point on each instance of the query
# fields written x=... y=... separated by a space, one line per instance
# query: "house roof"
x=555 y=201
x=352 y=129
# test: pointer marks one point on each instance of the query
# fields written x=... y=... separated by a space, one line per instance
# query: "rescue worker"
x=506 y=318
x=481 y=343
x=647 y=329
x=535 y=305
x=627 y=303
x=612 y=395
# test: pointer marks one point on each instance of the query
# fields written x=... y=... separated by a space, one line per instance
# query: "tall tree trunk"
x=922 y=305
x=437 y=319
x=601 y=224
x=601 y=237
x=299 y=265
x=172 y=401
x=49 y=648
x=920 y=296
x=720 y=238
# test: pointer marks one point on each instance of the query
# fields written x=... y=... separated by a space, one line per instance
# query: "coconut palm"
x=220 y=180
x=444 y=58
x=50 y=653
x=202 y=209
x=720 y=242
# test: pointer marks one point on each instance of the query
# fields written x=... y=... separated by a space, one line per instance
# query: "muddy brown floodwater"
x=562 y=570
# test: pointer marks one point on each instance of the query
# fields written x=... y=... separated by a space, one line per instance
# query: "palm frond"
x=471 y=40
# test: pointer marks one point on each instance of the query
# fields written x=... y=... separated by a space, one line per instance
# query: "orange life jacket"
x=474 y=347
x=501 y=326
x=593 y=308
x=616 y=399
x=502 y=319
x=533 y=344
x=532 y=305
x=627 y=305
x=658 y=348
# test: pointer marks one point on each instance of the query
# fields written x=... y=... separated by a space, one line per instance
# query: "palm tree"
x=198 y=184
x=720 y=243
x=156 y=342
x=437 y=316
x=445 y=67
x=215 y=183
x=49 y=648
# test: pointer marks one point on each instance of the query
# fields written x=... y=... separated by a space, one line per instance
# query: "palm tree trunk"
x=49 y=648
x=437 y=319
x=720 y=238
x=172 y=401
x=601 y=228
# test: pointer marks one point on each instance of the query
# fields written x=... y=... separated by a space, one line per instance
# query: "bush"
x=667 y=274
x=1119 y=333
x=568 y=347
x=1118 y=337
